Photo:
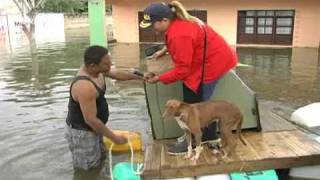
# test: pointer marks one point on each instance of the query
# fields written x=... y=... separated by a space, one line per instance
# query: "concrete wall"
x=82 y=21
x=222 y=16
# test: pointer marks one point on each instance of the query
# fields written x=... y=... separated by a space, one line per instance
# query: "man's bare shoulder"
x=83 y=89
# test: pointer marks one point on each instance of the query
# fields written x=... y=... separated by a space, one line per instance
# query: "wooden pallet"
x=264 y=150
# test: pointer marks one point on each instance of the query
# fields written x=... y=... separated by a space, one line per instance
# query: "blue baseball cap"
x=155 y=12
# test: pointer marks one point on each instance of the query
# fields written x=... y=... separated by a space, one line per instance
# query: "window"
x=261 y=13
x=283 y=30
x=284 y=21
x=265 y=26
x=284 y=13
x=284 y=26
x=270 y=13
x=250 y=13
x=249 y=29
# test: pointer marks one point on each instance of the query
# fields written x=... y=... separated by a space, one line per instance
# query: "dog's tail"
x=239 y=131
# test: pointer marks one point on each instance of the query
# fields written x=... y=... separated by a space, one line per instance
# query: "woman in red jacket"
x=187 y=39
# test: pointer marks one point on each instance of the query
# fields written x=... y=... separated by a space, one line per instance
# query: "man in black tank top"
x=88 y=109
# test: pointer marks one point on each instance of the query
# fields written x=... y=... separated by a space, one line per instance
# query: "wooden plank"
x=152 y=161
x=270 y=145
x=315 y=130
x=257 y=142
x=301 y=140
x=148 y=171
x=305 y=138
x=271 y=122
x=298 y=149
x=209 y=156
x=156 y=161
x=246 y=152
x=166 y=160
x=272 y=150
x=222 y=168
x=148 y=157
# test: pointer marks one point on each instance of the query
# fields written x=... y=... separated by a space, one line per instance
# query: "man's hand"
x=120 y=139
x=123 y=75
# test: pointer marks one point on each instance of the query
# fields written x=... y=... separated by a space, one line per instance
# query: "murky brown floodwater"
x=34 y=96
x=284 y=79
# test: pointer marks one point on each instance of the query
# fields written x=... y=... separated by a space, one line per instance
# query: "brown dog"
x=192 y=117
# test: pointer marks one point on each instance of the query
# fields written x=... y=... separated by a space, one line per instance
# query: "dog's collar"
x=182 y=124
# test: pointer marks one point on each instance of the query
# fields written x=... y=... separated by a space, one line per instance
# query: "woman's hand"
x=148 y=75
x=159 y=53
x=153 y=79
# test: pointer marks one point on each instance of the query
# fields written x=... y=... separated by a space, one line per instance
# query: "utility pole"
x=97 y=11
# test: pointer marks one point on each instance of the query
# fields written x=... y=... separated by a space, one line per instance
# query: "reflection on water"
x=289 y=78
x=34 y=85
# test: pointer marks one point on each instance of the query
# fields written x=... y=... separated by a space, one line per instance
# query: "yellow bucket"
x=135 y=139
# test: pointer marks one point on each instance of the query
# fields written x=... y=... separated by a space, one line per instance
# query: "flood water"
x=34 y=93
x=284 y=79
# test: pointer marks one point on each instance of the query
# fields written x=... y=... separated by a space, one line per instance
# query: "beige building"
x=272 y=22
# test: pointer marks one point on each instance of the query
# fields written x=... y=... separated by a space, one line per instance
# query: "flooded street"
x=34 y=91
x=284 y=79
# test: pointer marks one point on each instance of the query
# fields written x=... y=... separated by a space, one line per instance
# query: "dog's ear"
x=183 y=104
x=173 y=103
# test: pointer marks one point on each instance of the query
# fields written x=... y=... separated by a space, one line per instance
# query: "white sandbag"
x=308 y=116
x=214 y=177
x=306 y=172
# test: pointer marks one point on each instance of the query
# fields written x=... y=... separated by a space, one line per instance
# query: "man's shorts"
x=86 y=147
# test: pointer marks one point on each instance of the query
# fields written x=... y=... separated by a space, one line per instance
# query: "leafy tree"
x=65 y=6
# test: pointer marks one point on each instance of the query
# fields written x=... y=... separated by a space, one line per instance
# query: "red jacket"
x=185 y=44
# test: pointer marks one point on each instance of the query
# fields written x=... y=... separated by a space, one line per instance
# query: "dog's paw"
x=215 y=152
x=194 y=158
x=224 y=155
x=188 y=156
x=189 y=153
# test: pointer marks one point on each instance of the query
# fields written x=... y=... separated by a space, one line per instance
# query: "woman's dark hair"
x=94 y=54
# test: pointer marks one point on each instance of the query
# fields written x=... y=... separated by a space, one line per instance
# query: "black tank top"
x=75 y=118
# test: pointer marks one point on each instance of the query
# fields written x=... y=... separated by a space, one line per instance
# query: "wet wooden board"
x=264 y=150
x=271 y=122
x=315 y=130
